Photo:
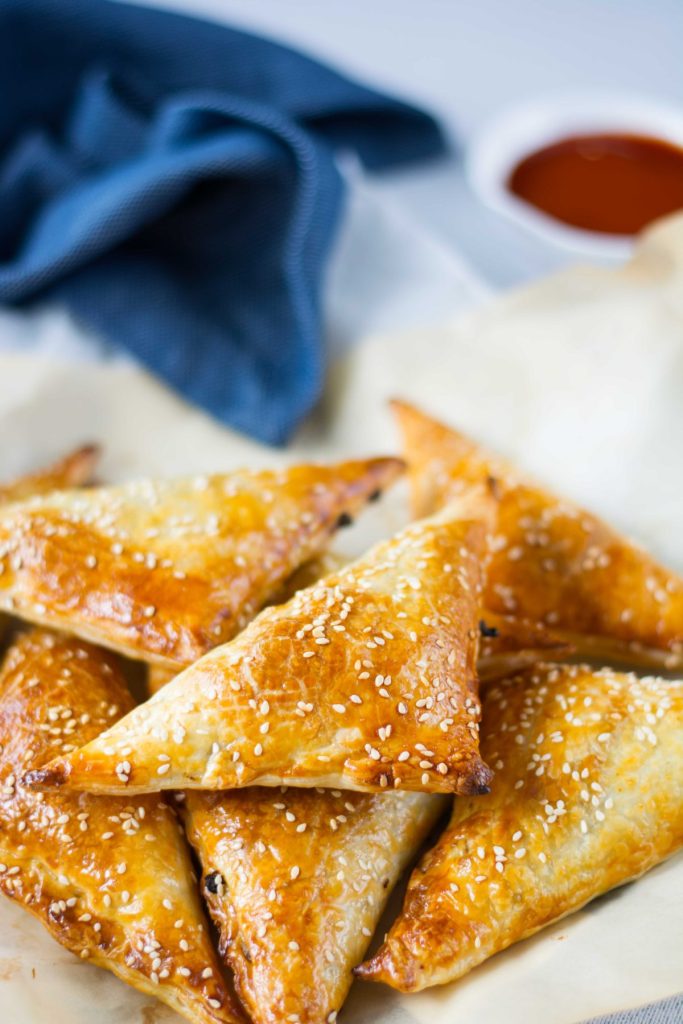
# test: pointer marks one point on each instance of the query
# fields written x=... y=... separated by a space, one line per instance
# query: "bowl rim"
x=528 y=126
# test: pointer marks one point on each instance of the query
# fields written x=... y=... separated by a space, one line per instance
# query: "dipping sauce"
x=616 y=184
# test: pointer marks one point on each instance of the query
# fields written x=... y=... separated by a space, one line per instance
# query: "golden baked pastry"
x=588 y=794
x=165 y=570
x=109 y=878
x=365 y=680
x=309 y=572
x=296 y=882
x=553 y=562
x=74 y=470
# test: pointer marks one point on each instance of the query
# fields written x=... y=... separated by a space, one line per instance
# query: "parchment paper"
x=581 y=379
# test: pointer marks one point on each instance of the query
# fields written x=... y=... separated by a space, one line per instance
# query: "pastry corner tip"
x=380 y=473
x=55 y=773
x=383 y=968
x=407 y=417
x=89 y=450
x=401 y=406
x=396 y=404
x=389 y=466
x=411 y=417
x=79 y=466
x=477 y=782
x=369 y=970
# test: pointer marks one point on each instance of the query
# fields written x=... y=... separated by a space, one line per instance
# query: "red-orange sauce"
x=612 y=183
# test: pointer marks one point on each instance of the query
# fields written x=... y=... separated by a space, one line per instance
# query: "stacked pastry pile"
x=309 y=720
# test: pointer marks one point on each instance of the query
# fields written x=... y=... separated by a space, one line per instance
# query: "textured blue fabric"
x=666 y=1011
x=173 y=183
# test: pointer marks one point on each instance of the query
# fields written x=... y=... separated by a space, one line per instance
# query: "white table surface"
x=468 y=61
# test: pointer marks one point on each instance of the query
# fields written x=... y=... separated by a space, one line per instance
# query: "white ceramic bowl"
x=500 y=146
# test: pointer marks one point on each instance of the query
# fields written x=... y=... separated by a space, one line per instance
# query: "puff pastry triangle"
x=553 y=562
x=74 y=470
x=296 y=882
x=109 y=878
x=365 y=680
x=588 y=794
x=166 y=570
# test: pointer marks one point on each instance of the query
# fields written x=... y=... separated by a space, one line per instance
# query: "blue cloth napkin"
x=666 y=1011
x=173 y=183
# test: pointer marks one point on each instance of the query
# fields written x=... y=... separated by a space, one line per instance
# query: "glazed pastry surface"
x=73 y=470
x=506 y=644
x=365 y=680
x=109 y=878
x=553 y=562
x=296 y=882
x=588 y=794
x=165 y=570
